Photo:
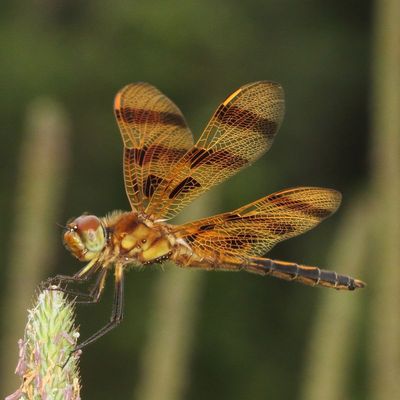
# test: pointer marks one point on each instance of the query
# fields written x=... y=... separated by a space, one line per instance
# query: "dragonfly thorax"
x=85 y=237
x=138 y=239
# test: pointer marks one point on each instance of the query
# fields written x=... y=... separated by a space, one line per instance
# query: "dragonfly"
x=164 y=170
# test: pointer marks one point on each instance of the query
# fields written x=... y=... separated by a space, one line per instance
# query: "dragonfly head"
x=85 y=237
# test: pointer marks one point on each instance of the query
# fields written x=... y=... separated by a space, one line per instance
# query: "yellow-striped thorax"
x=120 y=237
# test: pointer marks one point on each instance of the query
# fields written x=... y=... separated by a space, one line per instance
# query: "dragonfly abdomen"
x=308 y=275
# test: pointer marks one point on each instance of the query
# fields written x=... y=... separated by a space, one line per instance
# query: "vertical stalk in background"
x=166 y=355
x=333 y=337
x=385 y=299
x=42 y=170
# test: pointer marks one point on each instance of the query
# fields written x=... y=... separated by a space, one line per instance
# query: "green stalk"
x=34 y=237
x=333 y=336
x=47 y=367
x=166 y=355
x=384 y=329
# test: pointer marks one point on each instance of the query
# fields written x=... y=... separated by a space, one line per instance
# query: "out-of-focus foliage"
x=251 y=333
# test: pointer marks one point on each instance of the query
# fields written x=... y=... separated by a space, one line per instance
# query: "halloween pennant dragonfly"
x=164 y=170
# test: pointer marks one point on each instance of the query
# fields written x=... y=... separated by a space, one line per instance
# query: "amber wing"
x=255 y=228
x=240 y=131
x=155 y=137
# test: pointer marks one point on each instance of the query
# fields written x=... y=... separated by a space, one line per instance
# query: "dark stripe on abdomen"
x=308 y=275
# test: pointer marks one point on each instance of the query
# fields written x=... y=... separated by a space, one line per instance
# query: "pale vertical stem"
x=166 y=356
x=334 y=333
x=385 y=294
x=42 y=169
x=164 y=371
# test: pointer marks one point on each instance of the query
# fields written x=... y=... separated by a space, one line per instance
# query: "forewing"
x=155 y=137
x=240 y=131
x=255 y=228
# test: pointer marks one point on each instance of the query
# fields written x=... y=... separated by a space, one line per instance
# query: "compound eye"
x=86 y=223
x=85 y=236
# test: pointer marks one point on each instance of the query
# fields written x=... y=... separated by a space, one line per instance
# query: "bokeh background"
x=205 y=335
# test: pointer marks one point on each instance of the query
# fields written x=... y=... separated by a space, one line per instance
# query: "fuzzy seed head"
x=46 y=365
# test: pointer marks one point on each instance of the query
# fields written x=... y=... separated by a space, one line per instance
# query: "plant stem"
x=47 y=366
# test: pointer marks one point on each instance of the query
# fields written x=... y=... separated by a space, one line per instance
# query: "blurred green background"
x=238 y=336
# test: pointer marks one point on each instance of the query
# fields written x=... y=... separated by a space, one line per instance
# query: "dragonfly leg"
x=94 y=295
x=117 y=311
x=81 y=276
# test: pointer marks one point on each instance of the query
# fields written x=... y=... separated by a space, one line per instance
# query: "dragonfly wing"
x=155 y=136
x=255 y=228
x=240 y=131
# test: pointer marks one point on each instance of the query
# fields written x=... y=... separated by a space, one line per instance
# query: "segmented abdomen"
x=305 y=274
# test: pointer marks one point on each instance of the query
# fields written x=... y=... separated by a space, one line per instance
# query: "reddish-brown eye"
x=86 y=222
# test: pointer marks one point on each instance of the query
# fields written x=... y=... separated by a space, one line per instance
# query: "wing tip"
x=269 y=85
x=129 y=86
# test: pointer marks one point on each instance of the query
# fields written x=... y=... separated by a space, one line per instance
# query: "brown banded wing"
x=155 y=137
x=241 y=130
x=255 y=228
